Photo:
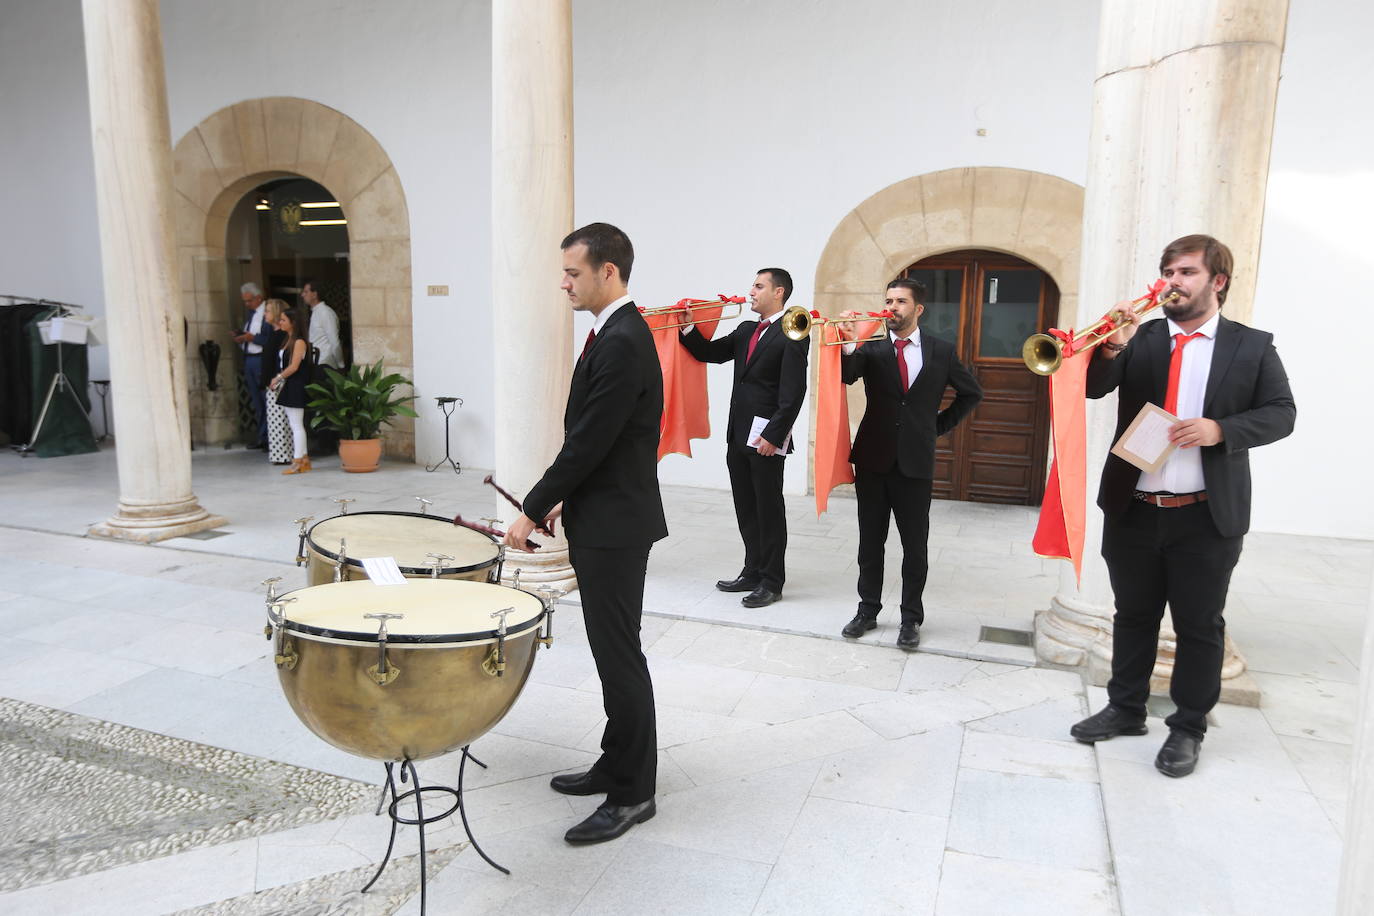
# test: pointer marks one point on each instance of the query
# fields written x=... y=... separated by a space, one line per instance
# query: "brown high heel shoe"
x=299 y=466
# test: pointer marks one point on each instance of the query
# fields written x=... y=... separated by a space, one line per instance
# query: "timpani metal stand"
x=389 y=791
x=447 y=405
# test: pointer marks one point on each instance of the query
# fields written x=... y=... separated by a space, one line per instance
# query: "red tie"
x=901 y=362
x=754 y=341
x=591 y=336
x=1175 y=369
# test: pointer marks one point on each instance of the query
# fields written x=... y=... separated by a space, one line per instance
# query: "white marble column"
x=531 y=212
x=1357 y=878
x=1183 y=110
x=133 y=181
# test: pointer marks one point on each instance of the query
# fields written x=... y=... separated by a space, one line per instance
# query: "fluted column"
x=1183 y=113
x=133 y=180
x=531 y=212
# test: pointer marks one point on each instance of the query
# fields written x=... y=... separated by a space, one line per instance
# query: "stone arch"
x=241 y=146
x=1034 y=216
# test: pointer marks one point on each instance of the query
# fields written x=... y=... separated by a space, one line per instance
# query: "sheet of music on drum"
x=383 y=571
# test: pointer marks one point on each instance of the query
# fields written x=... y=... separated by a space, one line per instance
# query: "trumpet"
x=689 y=306
x=1045 y=353
x=797 y=323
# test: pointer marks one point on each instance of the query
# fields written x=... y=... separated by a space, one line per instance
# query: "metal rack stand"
x=59 y=382
x=419 y=821
x=447 y=405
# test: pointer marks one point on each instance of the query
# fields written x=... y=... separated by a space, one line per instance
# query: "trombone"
x=1045 y=353
x=689 y=306
x=797 y=323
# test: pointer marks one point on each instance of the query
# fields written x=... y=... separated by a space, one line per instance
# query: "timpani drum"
x=413 y=539
x=404 y=672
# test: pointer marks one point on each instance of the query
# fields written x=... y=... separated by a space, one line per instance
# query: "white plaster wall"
x=723 y=137
x=1317 y=257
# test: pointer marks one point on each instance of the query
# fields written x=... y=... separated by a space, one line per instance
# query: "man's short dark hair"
x=915 y=287
x=604 y=243
x=1215 y=255
x=310 y=282
x=779 y=277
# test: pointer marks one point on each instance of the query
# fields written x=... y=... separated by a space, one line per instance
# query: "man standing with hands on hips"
x=905 y=375
x=604 y=484
x=770 y=382
x=1173 y=536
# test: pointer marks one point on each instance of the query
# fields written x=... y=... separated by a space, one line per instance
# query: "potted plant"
x=356 y=403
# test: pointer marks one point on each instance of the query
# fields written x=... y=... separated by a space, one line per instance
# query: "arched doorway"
x=1031 y=215
x=257 y=141
x=281 y=234
x=987 y=303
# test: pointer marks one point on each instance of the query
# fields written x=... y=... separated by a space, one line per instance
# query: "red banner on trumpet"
x=833 y=438
x=686 y=411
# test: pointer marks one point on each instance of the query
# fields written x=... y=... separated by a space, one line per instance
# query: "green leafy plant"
x=357 y=402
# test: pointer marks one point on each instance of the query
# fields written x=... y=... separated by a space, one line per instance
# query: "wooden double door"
x=987 y=304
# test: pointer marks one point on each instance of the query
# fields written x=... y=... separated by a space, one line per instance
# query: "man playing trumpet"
x=1173 y=536
x=905 y=375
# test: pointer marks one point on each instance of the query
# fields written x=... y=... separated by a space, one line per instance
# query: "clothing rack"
x=60 y=383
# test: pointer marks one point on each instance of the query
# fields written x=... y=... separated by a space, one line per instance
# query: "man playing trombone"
x=905 y=374
x=1173 y=536
x=770 y=382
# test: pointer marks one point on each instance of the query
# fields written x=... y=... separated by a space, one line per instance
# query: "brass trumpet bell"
x=1043 y=354
x=796 y=323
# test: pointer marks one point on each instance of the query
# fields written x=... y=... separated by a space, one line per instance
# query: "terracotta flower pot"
x=358 y=456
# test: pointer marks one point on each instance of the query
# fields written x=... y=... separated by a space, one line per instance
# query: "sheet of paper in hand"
x=1145 y=443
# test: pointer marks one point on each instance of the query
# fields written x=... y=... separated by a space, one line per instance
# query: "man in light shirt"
x=1174 y=536
x=324 y=337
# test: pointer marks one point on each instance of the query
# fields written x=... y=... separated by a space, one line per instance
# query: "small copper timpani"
x=424 y=546
x=404 y=672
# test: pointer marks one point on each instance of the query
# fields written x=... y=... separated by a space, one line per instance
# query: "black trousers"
x=882 y=497
x=1175 y=557
x=756 y=484
x=611 y=582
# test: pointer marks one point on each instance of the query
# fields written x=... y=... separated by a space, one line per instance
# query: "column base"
x=1238 y=688
x=149 y=524
x=1064 y=632
x=547 y=566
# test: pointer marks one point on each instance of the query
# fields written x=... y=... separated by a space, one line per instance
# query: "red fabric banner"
x=1063 y=514
x=686 y=411
x=833 y=442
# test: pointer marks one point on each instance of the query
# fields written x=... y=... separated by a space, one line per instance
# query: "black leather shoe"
x=610 y=821
x=760 y=597
x=1108 y=723
x=1178 y=756
x=858 y=626
x=909 y=636
x=580 y=784
x=741 y=583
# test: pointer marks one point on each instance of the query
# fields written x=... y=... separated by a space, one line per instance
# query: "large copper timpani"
x=333 y=548
x=404 y=672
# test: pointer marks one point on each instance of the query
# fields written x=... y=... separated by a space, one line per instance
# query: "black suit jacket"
x=1247 y=394
x=899 y=427
x=606 y=475
x=772 y=384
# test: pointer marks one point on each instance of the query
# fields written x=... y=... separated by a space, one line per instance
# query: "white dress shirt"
x=912 y=354
x=608 y=311
x=324 y=334
x=254 y=327
x=1182 y=470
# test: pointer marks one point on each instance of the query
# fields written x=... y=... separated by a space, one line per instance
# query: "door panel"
x=987 y=304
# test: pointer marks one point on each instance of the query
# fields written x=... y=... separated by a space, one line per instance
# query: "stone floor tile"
x=776 y=653
x=1028 y=756
x=676 y=880
x=911 y=713
x=677 y=726
x=1308 y=707
x=897 y=870
x=538 y=854
x=157 y=701
x=462 y=891
x=279 y=864
x=698 y=685
x=732 y=756
x=1049 y=721
x=1324 y=765
x=1293 y=649
x=774 y=699
x=1016 y=689
x=60 y=677
x=978 y=885
x=95 y=631
x=1235 y=849
x=197 y=648
x=744 y=818
x=914 y=774
x=176 y=882
x=556 y=715
x=1029 y=819
x=926 y=671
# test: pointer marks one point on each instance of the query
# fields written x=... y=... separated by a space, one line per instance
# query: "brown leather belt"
x=1171 y=500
